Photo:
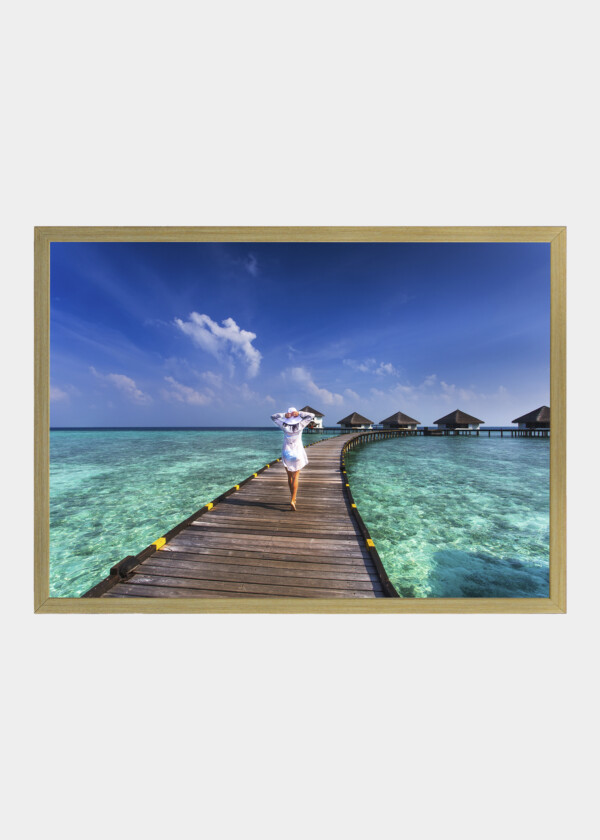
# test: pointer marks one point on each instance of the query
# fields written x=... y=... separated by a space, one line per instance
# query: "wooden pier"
x=427 y=431
x=250 y=543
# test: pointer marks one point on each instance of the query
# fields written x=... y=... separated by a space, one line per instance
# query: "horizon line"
x=275 y=429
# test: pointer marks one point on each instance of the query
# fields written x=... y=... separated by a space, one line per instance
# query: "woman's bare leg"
x=289 y=478
x=295 y=478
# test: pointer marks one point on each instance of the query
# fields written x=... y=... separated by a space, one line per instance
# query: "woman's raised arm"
x=307 y=418
x=278 y=419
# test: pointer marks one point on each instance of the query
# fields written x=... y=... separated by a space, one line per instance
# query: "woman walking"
x=293 y=453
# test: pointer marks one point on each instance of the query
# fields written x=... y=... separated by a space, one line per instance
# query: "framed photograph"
x=300 y=419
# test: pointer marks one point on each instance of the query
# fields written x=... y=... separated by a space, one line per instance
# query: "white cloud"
x=292 y=352
x=57 y=394
x=214 y=379
x=247 y=262
x=363 y=367
x=243 y=392
x=501 y=393
x=247 y=394
x=125 y=385
x=251 y=264
x=222 y=341
x=303 y=377
x=431 y=390
x=64 y=393
x=216 y=390
x=370 y=365
x=351 y=394
x=183 y=393
x=385 y=367
x=401 y=390
x=450 y=392
x=446 y=391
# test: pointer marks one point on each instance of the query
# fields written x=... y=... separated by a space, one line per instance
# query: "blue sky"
x=203 y=334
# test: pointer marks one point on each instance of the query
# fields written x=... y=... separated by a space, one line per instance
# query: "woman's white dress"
x=293 y=453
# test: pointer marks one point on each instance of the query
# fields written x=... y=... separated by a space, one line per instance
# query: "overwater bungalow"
x=355 y=421
x=539 y=418
x=458 y=420
x=318 y=421
x=399 y=421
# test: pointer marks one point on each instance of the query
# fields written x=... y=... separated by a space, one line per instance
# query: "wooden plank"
x=284 y=577
x=210 y=543
x=296 y=520
x=190 y=585
x=200 y=551
x=205 y=570
x=272 y=538
x=309 y=517
x=277 y=517
x=123 y=590
x=258 y=529
x=322 y=548
x=332 y=570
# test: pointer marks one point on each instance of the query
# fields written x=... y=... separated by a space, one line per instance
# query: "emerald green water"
x=457 y=516
x=450 y=516
x=113 y=492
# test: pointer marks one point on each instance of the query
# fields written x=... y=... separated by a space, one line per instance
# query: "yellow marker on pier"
x=159 y=542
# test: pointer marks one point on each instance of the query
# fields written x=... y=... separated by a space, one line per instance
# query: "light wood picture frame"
x=555 y=236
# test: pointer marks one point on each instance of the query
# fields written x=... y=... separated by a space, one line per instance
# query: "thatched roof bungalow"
x=318 y=421
x=399 y=421
x=539 y=418
x=355 y=421
x=458 y=420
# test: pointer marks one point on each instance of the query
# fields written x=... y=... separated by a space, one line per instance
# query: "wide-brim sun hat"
x=292 y=420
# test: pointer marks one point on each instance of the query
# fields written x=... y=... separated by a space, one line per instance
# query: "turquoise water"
x=450 y=516
x=457 y=516
x=112 y=493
